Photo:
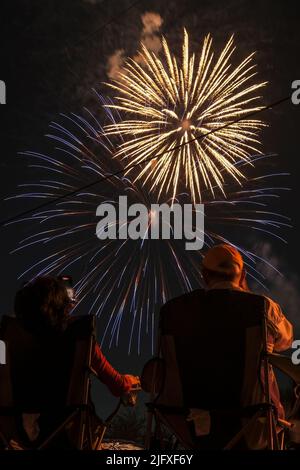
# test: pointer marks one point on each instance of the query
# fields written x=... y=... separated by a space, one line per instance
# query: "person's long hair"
x=42 y=305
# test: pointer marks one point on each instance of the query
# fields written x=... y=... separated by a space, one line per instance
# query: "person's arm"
x=117 y=383
x=279 y=328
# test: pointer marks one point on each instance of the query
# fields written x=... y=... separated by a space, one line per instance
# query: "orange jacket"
x=280 y=338
x=117 y=383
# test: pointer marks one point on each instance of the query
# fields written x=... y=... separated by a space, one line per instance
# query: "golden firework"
x=165 y=104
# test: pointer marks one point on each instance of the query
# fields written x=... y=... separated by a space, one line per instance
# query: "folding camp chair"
x=284 y=363
x=47 y=377
x=212 y=346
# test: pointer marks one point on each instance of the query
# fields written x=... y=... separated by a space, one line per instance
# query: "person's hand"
x=130 y=398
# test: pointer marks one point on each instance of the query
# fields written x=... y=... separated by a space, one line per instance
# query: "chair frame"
x=82 y=410
x=265 y=409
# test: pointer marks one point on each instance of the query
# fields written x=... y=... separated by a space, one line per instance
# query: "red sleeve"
x=117 y=383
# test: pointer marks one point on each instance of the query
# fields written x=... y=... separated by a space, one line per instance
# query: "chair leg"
x=275 y=435
x=82 y=429
x=149 y=430
x=241 y=433
x=89 y=432
x=272 y=437
x=5 y=441
x=99 y=439
x=270 y=430
x=159 y=434
x=281 y=439
x=58 y=430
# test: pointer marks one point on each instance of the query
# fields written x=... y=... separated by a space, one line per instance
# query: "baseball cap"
x=224 y=258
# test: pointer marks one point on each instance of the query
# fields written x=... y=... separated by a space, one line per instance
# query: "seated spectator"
x=43 y=308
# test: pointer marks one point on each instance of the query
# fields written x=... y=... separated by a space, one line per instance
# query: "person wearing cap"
x=223 y=268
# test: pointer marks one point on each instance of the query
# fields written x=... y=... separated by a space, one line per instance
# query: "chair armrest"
x=285 y=424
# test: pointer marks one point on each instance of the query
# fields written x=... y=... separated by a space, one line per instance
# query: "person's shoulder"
x=269 y=303
x=268 y=300
x=273 y=309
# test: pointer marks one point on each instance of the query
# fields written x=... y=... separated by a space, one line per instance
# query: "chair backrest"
x=211 y=344
x=44 y=373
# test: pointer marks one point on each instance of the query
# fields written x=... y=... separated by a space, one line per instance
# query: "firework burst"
x=165 y=105
x=124 y=282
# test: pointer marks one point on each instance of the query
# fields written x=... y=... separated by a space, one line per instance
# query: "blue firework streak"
x=124 y=282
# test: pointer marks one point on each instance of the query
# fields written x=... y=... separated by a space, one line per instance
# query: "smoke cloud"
x=284 y=289
x=114 y=63
x=149 y=36
x=152 y=23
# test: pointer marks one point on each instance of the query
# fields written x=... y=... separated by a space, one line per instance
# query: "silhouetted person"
x=43 y=308
x=223 y=268
x=226 y=301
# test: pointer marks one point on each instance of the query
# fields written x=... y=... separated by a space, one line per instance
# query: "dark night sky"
x=53 y=52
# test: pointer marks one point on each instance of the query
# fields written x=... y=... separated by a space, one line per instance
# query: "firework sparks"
x=124 y=282
x=165 y=104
